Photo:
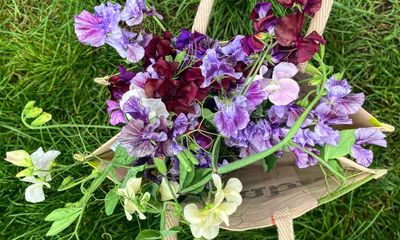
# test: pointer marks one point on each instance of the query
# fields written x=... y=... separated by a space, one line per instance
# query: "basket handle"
x=317 y=24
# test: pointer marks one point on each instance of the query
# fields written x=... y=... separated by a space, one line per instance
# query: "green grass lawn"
x=40 y=59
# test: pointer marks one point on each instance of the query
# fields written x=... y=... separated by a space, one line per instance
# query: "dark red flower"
x=158 y=48
x=309 y=6
x=119 y=84
x=177 y=92
x=288 y=35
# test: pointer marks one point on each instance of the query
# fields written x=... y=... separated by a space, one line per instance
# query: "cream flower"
x=42 y=162
x=34 y=193
x=165 y=191
x=129 y=193
x=19 y=158
x=205 y=222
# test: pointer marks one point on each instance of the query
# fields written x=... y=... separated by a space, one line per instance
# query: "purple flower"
x=303 y=159
x=327 y=116
x=133 y=106
x=116 y=114
x=366 y=136
x=195 y=43
x=131 y=45
x=232 y=116
x=183 y=39
x=263 y=17
x=340 y=96
x=180 y=125
x=204 y=159
x=288 y=115
x=99 y=28
x=134 y=12
x=234 y=50
x=255 y=95
x=213 y=67
x=141 y=139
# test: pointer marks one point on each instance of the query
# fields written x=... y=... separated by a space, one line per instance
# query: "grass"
x=41 y=60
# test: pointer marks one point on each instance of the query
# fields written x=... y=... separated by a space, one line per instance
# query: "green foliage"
x=343 y=147
x=111 y=201
x=160 y=164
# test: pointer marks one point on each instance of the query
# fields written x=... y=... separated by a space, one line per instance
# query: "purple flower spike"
x=116 y=114
x=213 y=67
x=232 y=116
x=366 y=136
x=99 y=28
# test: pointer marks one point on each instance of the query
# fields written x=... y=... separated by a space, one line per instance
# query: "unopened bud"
x=41 y=120
x=33 y=112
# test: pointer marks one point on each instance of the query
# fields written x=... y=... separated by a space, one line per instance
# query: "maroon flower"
x=119 y=84
x=158 y=48
x=288 y=35
x=309 y=6
x=177 y=92
x=252 y=43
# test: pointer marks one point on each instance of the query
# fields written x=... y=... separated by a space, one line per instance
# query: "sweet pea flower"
x=131 y=202
x=135 y=10
x=42 y=162
x=34 y=193
x=281 y=89
x=366 y=136
x=205 y=222
x=165 y=192
x=19 y=158
x=99 y=28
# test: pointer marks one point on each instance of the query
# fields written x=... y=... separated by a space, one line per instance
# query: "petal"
x=217 y=181
x=88 y=29
x=19 y=158
x=192 y=214
x=133 y=186
x=34 y=193
x=370 y=136
x=211 y=232
x=363 y=156
x=288 y=92
x=284 y=70
x=197 y=230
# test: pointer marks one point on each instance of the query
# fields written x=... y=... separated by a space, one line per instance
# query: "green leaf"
x=160 y=164
x=111 y=201
x=185 y=177
x=132 y=172
x=215 y=151
x=61 y=213
x=269 y=163
x=191 y=157
x=202 y=176
x=148 y=234
x=180 y=56
x=312 y=70
x=343 y=147
x=208 y=115
x=183 y=159
x=322 y=51
x=62 y=224
x=121 y=156
x=334 y=164
x=168 y=233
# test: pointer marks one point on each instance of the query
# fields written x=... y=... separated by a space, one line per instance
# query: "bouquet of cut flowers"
x=191 y=109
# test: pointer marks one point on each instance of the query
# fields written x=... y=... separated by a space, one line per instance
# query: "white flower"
x=34 y=193
x=156 y=106
x=205 y=222
x=129 y=193
x=42 y=162
x=165 y=191
x=19 y=158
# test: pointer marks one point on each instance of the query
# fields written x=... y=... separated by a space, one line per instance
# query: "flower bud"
x=19 y=158
x=29 y=105
x=42 y=119
x=33 y=112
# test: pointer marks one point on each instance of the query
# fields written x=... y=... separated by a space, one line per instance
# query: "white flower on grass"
x=131 y=202
x=42 y=162
x=166 y=193
x=37 y=164
x=34 y=193
x=205 y=222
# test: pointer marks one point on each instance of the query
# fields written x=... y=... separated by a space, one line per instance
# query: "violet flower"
x=100 y=27
x=255 y=95
x=340 y=96
x=213 y=67
x=116 y=114
x=303 y=159
x=366 y=136
x=327 y=116
x=134 y=12
x=232 y=116
x=263 y=17
x=234 y=51
x=141 y=139
x=180 y=125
